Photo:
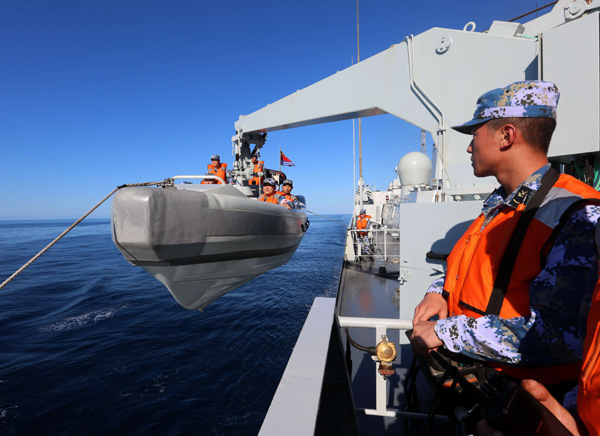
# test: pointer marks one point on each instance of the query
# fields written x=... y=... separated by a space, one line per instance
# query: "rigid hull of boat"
x=201 y=241
x=195 y=286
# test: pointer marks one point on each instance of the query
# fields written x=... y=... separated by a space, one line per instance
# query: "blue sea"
x=92 y=345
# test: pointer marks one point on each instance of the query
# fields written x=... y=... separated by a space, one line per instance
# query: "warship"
x=351 y=369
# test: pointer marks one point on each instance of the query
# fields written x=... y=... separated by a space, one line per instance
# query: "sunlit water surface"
x=92 y=345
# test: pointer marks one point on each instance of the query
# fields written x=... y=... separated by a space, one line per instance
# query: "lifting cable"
x=34 y=258
x=531 y=12
x=528 y=13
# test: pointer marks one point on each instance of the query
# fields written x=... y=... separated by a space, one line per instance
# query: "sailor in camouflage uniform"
x=539 y=330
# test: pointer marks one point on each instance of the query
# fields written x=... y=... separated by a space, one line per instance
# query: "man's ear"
x=508 y=134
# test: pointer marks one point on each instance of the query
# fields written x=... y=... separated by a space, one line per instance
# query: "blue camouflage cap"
x=527 y=99
x=288 y=182
x=269 y=182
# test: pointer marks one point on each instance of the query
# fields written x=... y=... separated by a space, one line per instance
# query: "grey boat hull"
x=202 y=241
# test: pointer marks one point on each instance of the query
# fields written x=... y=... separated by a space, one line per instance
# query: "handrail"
x=295 y=403
x=206 y=176
x=377 y=243
x=390 y=323
x=381 y=325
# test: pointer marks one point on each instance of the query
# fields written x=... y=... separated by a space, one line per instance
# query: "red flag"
x=285 y=161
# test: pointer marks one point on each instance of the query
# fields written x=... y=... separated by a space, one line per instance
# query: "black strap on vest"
x=514 y=245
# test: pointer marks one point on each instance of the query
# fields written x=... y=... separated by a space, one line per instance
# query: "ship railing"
x=381 y=327
x=296 y=403
x=380 y=244
x=203 y=177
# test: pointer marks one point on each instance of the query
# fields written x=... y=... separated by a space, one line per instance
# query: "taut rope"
x=339 y=222
x=34 y=258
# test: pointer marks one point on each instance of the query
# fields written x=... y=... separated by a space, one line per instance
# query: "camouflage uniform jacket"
x=560 y=295
x=290 y=199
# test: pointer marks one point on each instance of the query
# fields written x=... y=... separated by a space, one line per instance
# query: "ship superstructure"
x=430 y=80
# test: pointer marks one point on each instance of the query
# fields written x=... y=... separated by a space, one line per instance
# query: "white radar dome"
x=414 y=169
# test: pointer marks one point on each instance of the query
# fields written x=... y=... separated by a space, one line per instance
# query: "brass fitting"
x=386 y=351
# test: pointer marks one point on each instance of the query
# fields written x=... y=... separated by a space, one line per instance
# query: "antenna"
x=423 y=142
x=359 y=120
x=360 y=168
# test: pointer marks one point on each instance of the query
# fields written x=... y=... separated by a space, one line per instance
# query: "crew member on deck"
x=258 y=171
x=580 y=412
x=363 y=222
x=286 y=193
x=217 y=168
x=270 y=196
x=519 y=303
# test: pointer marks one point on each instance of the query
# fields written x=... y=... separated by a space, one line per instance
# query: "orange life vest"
x=475 y=259
x=219 y=172
x=258 y=168
x=588 y=396
x=270 y=198
x=289 y=197
x=361 y=223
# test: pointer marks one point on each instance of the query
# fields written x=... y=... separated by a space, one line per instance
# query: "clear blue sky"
x=97 y=93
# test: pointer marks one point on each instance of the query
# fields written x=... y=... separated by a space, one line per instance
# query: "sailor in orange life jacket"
x=585 y=419
x=258 y=171
x=363 y=221
x=217 y=168
x=554 y=265
x=270 y=196
x=286 y=192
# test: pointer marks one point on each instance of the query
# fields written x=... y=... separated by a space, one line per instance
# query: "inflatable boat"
x=202 y=241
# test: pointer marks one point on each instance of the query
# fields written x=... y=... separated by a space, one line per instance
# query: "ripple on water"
x=83 y=320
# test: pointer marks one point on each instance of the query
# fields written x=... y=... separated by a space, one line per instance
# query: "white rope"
x=339 y=222
x=36 y=257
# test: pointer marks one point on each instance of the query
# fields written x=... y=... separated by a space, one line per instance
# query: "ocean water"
x=92 y=345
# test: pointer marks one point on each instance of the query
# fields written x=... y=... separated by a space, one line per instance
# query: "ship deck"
x=332 y=387
x=369 y=289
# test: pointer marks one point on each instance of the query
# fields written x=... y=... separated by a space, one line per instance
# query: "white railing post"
x=385 y=245
x=381 y=325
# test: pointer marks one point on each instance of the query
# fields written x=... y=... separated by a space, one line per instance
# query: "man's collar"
x=520 y=195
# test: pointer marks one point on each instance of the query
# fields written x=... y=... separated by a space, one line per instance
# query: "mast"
x=360 y=170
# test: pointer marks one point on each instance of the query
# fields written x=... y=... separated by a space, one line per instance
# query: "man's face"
x=485 y=150
x=254 y=159
x=268 y=189
x=215 y=163
x=286 y=189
